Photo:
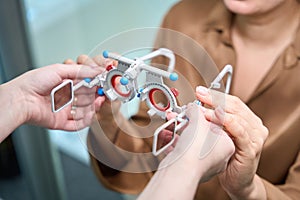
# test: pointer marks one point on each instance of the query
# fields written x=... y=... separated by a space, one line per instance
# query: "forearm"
x=176 y=181
x=12 y=108
x=256 y=190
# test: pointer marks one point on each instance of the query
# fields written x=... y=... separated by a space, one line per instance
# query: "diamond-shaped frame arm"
x=179 y=122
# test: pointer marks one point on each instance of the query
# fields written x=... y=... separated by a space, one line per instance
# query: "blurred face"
x=252 y=7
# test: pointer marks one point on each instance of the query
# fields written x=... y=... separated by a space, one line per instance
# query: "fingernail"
x=216 y=129
x=220 y=110
x=202 y=90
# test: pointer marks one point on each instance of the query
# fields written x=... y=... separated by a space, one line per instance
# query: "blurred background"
x=41 y=164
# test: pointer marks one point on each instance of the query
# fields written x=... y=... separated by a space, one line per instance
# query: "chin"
x=253 y=7
x=242 y=7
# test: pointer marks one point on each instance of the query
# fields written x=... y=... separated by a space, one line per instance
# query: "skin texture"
x=256 y=54
x=167 y=183
x=248 y=134
x=26 y=99
x=30 y=103
x=179 y=157
x=257 y=48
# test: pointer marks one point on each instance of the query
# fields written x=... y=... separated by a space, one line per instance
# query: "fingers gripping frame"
x=215 y=84
x=179 y=122
x=127 y=72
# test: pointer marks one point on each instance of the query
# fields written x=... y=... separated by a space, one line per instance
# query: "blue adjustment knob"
x=198 y=102
x=173 y=77
x=87 y=80
x=100 y=92
x=105 y=54
x=124 y=81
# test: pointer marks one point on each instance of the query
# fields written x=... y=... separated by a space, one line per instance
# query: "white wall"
x=61 y=29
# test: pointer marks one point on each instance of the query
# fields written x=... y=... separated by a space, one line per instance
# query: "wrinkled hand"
x=35 y=87
x=248 y=133
x=192 y=143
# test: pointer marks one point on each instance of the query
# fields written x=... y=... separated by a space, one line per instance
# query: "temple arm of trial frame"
x=138 y=64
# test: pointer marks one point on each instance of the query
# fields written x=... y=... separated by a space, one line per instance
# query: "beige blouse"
x=276 y=101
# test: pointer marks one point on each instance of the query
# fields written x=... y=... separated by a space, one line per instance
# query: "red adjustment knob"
x=175 y=92
x=109 y=67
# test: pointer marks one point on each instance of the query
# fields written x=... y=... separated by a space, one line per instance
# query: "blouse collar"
x=220 y=21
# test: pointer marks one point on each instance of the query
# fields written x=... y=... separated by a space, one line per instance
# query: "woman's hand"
x=97 y=61
x=192 y=147
x=248 y=133
x=26 y=99
x=36 y=86
x=180 y=171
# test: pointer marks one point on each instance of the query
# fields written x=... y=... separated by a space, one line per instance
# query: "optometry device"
x=120 y=83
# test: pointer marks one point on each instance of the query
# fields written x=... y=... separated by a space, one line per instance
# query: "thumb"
x=73 y=71
x=195 y=113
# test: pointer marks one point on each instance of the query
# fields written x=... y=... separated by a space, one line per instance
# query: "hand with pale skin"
x=26 y=99
x=248 y=133
x=97 y=61
x=184 y=167
x=184 y=152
